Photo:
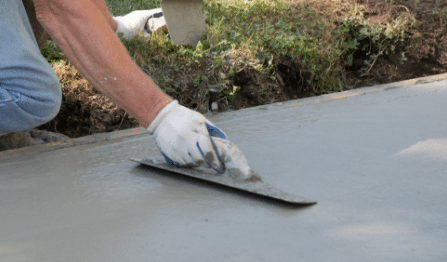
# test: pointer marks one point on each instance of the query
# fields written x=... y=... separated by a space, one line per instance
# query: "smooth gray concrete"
x=374 y=158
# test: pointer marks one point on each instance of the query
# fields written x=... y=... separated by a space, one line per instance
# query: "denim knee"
x=25 y=107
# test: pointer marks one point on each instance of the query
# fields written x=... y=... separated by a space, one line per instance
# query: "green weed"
x=52 y=53
x=356 y=33
x=230 y=94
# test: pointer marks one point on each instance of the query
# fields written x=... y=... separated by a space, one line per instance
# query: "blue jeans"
x=30 y=93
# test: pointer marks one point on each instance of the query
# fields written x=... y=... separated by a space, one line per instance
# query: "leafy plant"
x=230 y=94
x=356 y=33
x=52 y=53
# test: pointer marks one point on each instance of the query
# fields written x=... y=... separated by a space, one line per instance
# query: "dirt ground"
x=84 y=111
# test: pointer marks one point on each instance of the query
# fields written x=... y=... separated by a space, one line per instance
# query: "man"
x=85 y=31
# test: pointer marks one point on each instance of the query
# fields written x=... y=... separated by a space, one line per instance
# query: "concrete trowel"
x=237 y=174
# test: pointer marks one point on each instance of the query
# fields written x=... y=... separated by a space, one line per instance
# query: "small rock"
x=222 y=75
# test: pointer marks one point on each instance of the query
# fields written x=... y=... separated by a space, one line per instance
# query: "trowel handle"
x=234 y=160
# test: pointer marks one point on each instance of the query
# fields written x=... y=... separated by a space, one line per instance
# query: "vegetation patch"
x=264 y=51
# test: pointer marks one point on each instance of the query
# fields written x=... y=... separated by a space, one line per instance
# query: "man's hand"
x=184 y=137
x=132 y=23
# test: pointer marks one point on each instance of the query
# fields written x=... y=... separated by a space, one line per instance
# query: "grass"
x=122 y=7
x=442 y=16
x=52 y=53
x=324 y=36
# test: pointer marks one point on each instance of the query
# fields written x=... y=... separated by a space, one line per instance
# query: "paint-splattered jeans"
x=30 y=94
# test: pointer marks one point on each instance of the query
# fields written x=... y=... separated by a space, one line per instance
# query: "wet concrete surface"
x=374 y=158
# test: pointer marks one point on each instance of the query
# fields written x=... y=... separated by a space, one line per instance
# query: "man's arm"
x=87 y=39
x=101 y=4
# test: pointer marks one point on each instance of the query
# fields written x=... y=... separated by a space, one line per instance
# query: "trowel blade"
x=255 y=187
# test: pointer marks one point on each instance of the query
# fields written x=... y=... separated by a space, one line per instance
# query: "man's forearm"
x=89 y=42
x=105 y=12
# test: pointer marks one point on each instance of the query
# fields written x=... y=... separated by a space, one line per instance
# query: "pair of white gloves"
x=135 y=22
x=183 y=135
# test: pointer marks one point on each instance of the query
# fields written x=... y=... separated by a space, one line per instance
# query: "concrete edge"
x=372 y=89
x=101 y=137
x=223 y=117
x=117 y=135
x=366 y=90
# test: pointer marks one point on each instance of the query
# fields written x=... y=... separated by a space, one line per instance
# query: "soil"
x=426 y=57
x=85 y=111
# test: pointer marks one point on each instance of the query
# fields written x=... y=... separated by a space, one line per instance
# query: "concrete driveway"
x=374 y=158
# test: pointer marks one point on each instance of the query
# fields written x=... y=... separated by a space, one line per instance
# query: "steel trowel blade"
x=256 y=187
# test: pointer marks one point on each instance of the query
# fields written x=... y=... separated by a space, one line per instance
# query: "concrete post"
x=185 y=20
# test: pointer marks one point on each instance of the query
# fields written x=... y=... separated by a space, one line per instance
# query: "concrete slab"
x=374 y=158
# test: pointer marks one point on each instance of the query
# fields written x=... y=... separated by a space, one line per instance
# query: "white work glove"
x=184 y=137
x=134 y=22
